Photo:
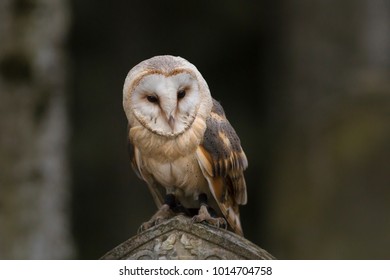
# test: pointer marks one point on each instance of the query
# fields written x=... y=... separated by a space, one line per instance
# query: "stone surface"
x=179 y=238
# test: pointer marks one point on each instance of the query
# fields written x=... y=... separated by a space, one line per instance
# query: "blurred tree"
x=34 y=177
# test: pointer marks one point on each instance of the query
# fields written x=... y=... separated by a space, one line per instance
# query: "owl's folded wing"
x=223 y=161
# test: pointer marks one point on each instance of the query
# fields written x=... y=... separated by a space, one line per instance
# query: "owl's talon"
x=162 y=214
x=205 y=217
x=223 y=223
x=145 y=226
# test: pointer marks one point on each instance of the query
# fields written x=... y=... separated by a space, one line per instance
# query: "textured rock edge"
x=220 y=237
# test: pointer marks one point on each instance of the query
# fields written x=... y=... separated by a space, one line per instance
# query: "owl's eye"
x=181 y=93
x=152 y=98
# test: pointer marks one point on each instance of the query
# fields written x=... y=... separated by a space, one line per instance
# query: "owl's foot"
x=204 y=216
x=163 y=214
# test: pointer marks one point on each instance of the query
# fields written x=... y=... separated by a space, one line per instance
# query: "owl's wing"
x=223 y=161
x=136 y=162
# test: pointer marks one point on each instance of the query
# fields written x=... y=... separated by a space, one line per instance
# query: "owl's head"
x=165 y=94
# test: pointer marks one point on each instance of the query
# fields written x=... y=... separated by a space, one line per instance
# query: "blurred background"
x=305 y=84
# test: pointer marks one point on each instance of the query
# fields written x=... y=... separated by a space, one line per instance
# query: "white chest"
x=172 y=161
x=182 y=177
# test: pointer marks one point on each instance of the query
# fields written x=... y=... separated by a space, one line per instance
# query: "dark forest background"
x=305 y=84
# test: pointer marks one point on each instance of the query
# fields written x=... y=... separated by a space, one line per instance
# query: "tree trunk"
x=34 y=179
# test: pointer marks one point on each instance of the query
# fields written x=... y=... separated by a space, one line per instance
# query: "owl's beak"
x=169 y=108
x=171 y=122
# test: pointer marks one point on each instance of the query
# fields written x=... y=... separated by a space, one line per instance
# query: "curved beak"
x=171 y=121
x=169 y=108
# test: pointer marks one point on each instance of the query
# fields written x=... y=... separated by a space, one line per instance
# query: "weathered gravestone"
x=179 y=238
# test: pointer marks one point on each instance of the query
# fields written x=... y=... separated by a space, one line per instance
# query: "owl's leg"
x=164 y=213
x=205 y=216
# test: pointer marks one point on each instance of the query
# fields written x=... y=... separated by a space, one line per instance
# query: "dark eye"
x=152 y=98
x=181 y=93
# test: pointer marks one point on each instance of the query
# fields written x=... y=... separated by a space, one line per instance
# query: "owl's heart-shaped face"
x=166 y=104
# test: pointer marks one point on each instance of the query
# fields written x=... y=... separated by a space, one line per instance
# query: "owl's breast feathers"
x=167 y=149
x=168 y=162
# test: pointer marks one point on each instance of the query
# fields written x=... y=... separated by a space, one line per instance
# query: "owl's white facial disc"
x=166 y=105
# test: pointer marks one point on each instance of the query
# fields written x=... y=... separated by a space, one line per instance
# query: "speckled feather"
x=223 y=161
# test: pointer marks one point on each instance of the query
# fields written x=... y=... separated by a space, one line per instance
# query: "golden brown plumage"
x=183 y=145
x=223 y=161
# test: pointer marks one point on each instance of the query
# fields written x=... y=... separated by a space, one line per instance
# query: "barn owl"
x=182 y=145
